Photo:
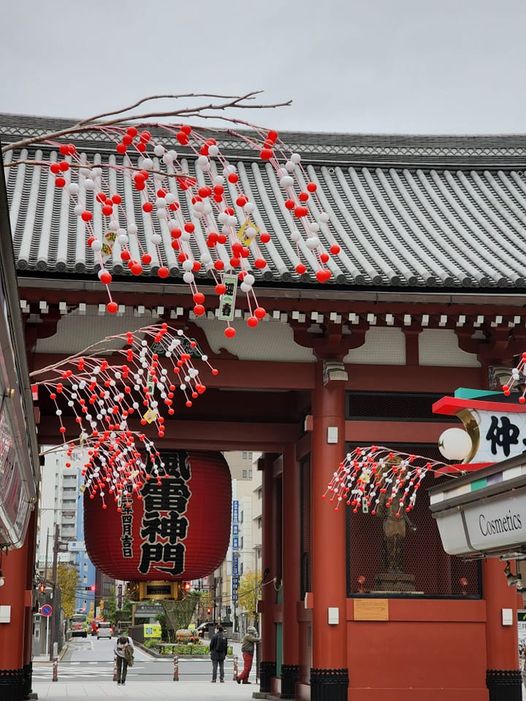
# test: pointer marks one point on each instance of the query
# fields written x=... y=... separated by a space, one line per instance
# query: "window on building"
x=245 y=455
x=244 y=474
x=241 y=517
x=240 y=569
x=242 y=542
x=250 y=474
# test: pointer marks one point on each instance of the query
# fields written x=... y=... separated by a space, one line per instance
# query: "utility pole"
x=220 y=598
x=47 y=553
x=56 y=614
x=255 y=613
x=215 y=600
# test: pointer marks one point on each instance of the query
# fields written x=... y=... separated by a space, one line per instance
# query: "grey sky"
x=413 y=66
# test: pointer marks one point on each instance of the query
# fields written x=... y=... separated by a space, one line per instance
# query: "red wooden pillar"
x=329 y=673
x=31 y=544
x=12 y=632
x=503 y=676
x=267 y=665
x=291 y=574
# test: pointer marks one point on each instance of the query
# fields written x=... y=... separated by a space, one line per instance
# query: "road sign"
x=46 y=610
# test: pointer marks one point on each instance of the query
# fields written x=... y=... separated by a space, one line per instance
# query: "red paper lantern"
x=178 y=530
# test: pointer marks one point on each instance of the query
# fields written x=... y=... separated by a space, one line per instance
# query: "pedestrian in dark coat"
x=218 y=650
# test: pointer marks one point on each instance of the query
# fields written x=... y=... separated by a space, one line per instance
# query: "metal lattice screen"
x=426 y=569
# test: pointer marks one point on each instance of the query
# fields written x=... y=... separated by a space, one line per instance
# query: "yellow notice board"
x=152 y=630
x=371 y=609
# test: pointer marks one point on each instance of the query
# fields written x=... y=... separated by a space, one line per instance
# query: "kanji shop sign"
x=497 y=429
x=501 y=435
x=178 y=529
x=235 y=550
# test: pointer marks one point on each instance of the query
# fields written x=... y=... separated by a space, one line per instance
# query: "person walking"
x=247 y=649
x=218 y=650
x=124 y=656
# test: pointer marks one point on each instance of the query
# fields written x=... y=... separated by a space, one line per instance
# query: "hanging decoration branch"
x=517 y=380
x=102 y=398
x=223 y=236
x=377 y=476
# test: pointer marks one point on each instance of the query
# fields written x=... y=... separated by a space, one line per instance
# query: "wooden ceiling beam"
x=197 y=435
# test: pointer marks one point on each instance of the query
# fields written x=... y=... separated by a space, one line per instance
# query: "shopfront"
x=19 y=475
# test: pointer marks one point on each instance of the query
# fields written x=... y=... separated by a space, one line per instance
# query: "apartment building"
x=61 y=504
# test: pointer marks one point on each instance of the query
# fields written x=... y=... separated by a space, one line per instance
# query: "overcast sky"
x=404 y=66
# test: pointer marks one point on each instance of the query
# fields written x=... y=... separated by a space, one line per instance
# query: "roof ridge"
x=22 y=123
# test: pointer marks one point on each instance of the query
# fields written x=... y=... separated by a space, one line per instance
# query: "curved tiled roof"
x=406 y=211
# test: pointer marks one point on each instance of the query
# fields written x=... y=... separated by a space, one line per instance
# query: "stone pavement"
x=141 y=691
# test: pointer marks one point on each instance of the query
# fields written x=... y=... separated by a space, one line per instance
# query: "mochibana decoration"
x=157 y=363
x=177 y=528
x=151 y=158
x=374 y=476
x=517 y=380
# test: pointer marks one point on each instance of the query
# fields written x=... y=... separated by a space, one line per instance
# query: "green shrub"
x=181 y=648
x=151 y=642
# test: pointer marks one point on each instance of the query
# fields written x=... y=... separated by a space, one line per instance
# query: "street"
x=89 y=659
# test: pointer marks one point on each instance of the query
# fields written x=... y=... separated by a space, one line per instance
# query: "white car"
x=104 y=630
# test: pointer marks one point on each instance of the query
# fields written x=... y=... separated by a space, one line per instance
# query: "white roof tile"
x=406 y=211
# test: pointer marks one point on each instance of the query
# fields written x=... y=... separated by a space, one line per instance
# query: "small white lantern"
x=455 y=444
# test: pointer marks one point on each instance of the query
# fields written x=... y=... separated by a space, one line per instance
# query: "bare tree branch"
x=97 y=117
x=195 y=111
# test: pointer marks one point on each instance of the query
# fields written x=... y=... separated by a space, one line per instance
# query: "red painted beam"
x=394 y=431
x=198 y=435
x=258 y=374
x=233 y=373
x=400 y=378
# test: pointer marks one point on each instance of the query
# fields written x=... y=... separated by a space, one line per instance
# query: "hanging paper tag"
x=247 y=232
x=150 y=415
x=227 y=301
x=107 y=246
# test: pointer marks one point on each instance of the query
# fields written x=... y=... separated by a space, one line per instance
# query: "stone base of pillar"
x=267 y=670
x=12 y=684
x=28 y=679
x=504 y=685
x=289 y=676
x=329 y=684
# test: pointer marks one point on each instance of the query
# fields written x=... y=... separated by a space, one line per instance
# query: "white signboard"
x=497 y=523
x=501 y=435
x=521 y=626
x=227 y=301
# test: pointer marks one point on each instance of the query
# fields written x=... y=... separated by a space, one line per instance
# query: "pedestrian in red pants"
x=247 y=648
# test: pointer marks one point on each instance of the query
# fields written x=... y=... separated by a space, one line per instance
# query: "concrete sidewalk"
x=141 y=691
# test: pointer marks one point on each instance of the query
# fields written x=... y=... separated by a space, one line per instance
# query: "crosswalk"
x=158 y=668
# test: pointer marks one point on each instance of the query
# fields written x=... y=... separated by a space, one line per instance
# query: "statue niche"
x=395 y=523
